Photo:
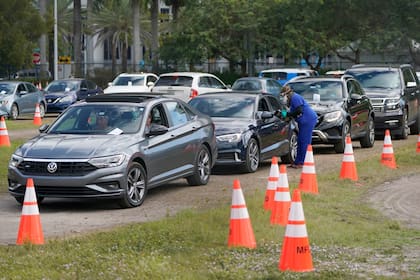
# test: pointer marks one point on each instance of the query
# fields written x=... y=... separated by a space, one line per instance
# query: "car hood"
x=48 y=146
x=58 y=94
x=382 y=92
x=228 y=125
x=325 y=107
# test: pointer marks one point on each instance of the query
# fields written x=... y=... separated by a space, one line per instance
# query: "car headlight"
x=234 y=137
x=392 y=104
x=65 y=99
x=15 y=160
x=332 y=116
x=109 y=161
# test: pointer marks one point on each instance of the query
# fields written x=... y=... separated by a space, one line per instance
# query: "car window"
x=178 y=115
x=21 y=88
x=262 y=105
x=408 y=75
x=151 y=78
x=185 y=81
x=274 y=102
x=31 y=87
x=354 y=88
x=88 y=119
x=6 y=88
x=225 y=106
x=215 y=83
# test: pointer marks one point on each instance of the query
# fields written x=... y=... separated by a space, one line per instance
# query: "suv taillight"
x=194 y=93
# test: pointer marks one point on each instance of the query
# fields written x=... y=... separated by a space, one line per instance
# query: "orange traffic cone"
x=280 y=212
x=30 y=229
x=240 y=228
x=387 y=157
x=273 y=177
x=308 y=181
x=418 y=144
x=348 y=166
x=296 y=252
x=37 y=116
x=4 y=136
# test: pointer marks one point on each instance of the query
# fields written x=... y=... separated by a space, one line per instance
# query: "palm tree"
x=111 y=23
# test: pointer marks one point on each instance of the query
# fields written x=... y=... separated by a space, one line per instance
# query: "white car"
x=132 y=82
x=187 y=85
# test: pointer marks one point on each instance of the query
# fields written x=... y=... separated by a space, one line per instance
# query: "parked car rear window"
x=183 y=81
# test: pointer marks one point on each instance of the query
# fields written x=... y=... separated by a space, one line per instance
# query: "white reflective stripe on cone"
x=282 y=196
x=388 y=150
x=237 y=197
x=272 y=185
x=308 y=168
x=296 y=212
x=30 y=195
x=296 y=231
x=348 y=158
x=239 y=213
x=31 y=209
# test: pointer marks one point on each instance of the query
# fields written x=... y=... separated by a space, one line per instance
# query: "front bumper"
x=389 y=120
x=103 y=182
x=327 y=133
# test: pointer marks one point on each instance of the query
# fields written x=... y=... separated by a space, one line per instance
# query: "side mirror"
x=157 y=129
x=150 y=84
x=110 y=84
x=265 y=115
x=355 y=96
x=43 y=128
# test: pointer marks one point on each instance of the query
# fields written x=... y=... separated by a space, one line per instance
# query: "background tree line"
x=198 y=31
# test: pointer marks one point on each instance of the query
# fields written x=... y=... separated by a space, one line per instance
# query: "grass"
x=348 y=240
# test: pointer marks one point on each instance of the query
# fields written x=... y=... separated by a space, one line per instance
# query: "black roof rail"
x=122 y=97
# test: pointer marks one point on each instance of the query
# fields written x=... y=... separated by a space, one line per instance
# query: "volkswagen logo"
x=52 y=167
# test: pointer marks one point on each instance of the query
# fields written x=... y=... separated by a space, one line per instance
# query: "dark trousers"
x=304 y=139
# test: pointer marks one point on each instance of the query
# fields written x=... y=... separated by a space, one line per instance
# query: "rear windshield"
x=247 y=85
x=182 y=81
x=123 y=80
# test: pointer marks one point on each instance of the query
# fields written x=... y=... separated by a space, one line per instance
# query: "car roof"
x=234 y=93
x=321 y=78
x=141 y=74
x=192 y=74
x=126 y=97
x=376 y=66
x=255 y=78
x=289 y=70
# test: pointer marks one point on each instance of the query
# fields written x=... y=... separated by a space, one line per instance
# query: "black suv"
x=395 y=94
x=342 y=107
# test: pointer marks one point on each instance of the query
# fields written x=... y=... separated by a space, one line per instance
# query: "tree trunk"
x=137 y=53
x=77 y=36
x=124 y=50
x=155 y=35
x=89 y=43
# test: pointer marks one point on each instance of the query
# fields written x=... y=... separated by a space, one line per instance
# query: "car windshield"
x=124 y=80
x=317 y=91
x=225 y=106
x=176 y=80
x=60 y=86
x=247 y=85
x=388 y=79
x=99 y=119
x=6 y=88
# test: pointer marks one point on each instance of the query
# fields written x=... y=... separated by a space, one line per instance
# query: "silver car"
x=116 y=146
x=20 y=98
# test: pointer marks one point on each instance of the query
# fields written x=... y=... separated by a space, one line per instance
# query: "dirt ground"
x=65 y=218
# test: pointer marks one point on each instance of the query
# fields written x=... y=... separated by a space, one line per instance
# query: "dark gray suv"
x=395 y=94
x=116 y=146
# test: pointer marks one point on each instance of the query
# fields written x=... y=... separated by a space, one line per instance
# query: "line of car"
x=188 y=136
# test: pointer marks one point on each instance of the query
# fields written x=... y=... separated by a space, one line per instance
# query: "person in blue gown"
x=306 y=119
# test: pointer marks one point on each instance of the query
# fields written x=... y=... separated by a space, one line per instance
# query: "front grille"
x=226 y=156
x=63 y=168
x=377 y=109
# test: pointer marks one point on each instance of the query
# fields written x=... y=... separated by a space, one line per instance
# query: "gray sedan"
x=20 y=98
x=116 y=146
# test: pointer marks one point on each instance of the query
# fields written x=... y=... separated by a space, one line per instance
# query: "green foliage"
x=20 y=28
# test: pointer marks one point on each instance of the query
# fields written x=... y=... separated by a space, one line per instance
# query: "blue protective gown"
x=306 y=122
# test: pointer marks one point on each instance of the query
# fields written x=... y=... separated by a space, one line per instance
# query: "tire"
x=369 y=139
x=404 y=127
x=291 y=155
x=136 y=188
x=42 y=110
x=14 y=112
x=202 y=168
x=340 y=146
x=252 y=160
